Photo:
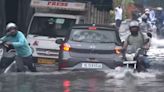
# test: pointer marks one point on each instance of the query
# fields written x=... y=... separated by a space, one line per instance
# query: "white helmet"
x=134 y=24
x=147 y=10
x=10 y=25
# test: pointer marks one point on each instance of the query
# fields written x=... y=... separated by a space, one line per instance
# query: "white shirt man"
x=118 y=16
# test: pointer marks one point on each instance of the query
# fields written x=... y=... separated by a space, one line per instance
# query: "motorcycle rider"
x=159 y=19
x=145 y=25
x=135 y=40
x=17 y=40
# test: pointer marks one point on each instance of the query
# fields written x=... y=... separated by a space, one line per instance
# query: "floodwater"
x=83 y=81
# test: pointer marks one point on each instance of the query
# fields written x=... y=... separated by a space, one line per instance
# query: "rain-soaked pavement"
x=119 y=80
x=90 y=81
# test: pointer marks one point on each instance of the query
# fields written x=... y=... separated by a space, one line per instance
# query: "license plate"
x=129 y=62
x=92 y=65
x=45 y=61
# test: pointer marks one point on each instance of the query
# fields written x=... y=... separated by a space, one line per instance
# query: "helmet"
x=134 y=24
x=11 y=25
x=134 y=27
x=147 y=10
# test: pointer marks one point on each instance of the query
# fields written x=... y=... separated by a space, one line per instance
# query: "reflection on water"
x=80 y=82
x=66 y=85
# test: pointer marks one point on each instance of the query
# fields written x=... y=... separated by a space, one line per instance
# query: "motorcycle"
x=136 y=60
x=7 y=57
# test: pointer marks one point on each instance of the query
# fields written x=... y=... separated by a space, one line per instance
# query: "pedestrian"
x=17 y=39
x=118 y=16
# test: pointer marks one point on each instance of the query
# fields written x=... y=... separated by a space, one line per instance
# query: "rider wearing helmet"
x=17 y=39
x=145 y=25
x=135 y=40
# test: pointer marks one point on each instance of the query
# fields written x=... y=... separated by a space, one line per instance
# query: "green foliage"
x=112 y=16
x=117 y=2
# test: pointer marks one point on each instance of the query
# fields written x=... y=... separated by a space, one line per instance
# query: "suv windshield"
x=96 y=36
x=50 y=26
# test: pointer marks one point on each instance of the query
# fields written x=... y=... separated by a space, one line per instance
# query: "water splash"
x=121 y=73
x=157 y=42
x=157 y=47
x=144 y=75
x=118 y=73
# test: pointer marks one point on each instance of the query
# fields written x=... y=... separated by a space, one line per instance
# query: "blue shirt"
x=20 y=44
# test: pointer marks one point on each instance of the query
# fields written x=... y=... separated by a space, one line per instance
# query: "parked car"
x=90 y=46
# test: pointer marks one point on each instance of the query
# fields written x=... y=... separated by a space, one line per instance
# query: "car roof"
x=102 y=27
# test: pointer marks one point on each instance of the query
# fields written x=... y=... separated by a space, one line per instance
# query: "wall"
x=24 y=14
x=2 y=17
x=17 y=11
x=94 y=15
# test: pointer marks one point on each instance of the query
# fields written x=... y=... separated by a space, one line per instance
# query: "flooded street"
x=118 y=80
x=91 y=81
x=82 y=34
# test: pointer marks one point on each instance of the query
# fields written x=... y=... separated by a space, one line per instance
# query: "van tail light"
x=66 y=47
x=117 y=50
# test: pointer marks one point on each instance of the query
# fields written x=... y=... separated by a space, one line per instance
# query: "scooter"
x=7 y=57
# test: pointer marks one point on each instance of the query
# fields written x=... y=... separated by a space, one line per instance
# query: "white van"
x=46 y=27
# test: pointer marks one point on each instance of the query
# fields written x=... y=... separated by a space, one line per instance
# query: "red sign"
x=55 y=3
x=58 y=5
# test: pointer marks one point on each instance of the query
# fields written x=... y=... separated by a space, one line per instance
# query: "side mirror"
x=59 y=41
x=149 y=35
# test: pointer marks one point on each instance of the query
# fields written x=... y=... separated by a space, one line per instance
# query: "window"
x=52 y=27
x=96 y=36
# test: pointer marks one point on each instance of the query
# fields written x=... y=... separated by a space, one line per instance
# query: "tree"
x=127 y=5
